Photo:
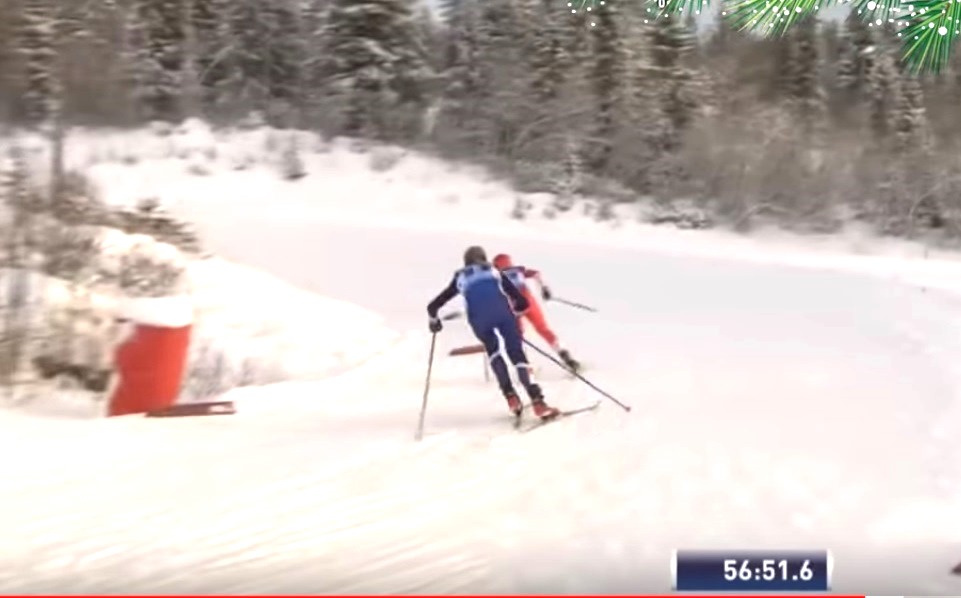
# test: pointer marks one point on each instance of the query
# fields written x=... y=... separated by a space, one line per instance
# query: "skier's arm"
x=441 y=299
x=536 y=275
x=517 y=298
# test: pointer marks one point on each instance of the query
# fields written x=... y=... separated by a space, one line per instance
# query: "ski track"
x=319 y=487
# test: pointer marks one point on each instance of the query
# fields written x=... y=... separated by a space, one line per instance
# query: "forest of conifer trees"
x=813 y=129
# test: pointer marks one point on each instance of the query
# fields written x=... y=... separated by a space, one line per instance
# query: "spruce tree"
x=163 y=22
x=503 y=75
x=252 y=28
x=606 y=77
x=807 y=94
x=212 y=49
x=136 y=63
x=674 y=82
x=36 y=41
x=287 y=54
x=782 y=76
x=854 y=46
x=882 y=92
x=375 y=64
x=911 y=123
x=463 y=92
x=548 y=57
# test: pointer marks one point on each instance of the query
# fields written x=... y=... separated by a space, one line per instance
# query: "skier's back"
x=491 y=301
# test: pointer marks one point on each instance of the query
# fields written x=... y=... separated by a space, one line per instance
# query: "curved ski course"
x=772 y=408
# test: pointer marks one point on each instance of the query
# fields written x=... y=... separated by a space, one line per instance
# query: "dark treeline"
x=813 y=129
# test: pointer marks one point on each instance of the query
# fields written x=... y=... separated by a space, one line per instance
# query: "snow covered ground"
x=774 y=406
x=254 y=317
x=250 y=328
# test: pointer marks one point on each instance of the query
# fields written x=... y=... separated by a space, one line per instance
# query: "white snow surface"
x=285 y=331
x=786 y=394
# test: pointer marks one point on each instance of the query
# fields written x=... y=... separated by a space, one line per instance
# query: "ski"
x=518 y=421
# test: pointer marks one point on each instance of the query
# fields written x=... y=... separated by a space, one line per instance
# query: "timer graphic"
x=751 y=570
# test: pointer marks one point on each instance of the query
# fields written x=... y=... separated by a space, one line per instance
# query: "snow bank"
x=281 y=331
x=202 y=173
x=191 y=167
x=250 y=328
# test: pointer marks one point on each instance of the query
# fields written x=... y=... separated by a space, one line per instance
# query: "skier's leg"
x=515 y=351
x=514 y=348
x=536 y=317
x=488 y=336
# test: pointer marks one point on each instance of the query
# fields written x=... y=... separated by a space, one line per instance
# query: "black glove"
x=546 y=294
x=435 y=325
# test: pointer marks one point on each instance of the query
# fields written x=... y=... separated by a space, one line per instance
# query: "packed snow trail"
x=772 y=408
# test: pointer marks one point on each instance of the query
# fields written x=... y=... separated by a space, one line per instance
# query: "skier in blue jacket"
x=492 y=301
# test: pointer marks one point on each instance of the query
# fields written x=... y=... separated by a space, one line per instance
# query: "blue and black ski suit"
x=491 y=301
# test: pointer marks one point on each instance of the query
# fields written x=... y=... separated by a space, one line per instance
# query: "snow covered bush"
x=198 y=168
x=605 y=211
x=214 y=369
x=383 y=159
x=77 y=200
x=69 y=252
x=150 y=219
x=682 y=214
x=570 y=183
x=77 y=336
x=532 y=177
x=209 y=372
x=243 y=162
x=141 y=266
x=521 y=208
x=291 y=165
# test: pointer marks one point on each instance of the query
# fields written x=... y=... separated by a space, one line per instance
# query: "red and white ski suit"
x=520 y=276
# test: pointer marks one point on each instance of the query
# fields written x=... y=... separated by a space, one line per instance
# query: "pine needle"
x=771 y=17
x=879 y=10
x=927 y=28
x=932 y=27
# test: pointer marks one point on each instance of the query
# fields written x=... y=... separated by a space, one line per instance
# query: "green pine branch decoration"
x=770 y=17
x=930 y=31
x=927 y=28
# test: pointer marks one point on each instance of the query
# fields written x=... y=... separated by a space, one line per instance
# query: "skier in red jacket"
x=520 y=275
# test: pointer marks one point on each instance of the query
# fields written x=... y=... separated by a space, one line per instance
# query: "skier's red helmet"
x=502 y=261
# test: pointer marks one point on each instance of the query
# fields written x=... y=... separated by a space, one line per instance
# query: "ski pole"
x=574 y=304
x=423 y=407
x=452 y=316
x=579 y=377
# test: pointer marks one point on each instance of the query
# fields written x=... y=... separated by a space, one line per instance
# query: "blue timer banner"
x=752 y=570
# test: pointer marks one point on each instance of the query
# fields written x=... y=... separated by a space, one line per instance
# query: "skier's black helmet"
x=475 y=254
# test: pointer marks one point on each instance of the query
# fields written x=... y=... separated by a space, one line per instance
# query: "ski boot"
x=514 y=403
x=541 y=409
x=569 y=361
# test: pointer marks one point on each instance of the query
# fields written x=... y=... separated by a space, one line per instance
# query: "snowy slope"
x=774 y=407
